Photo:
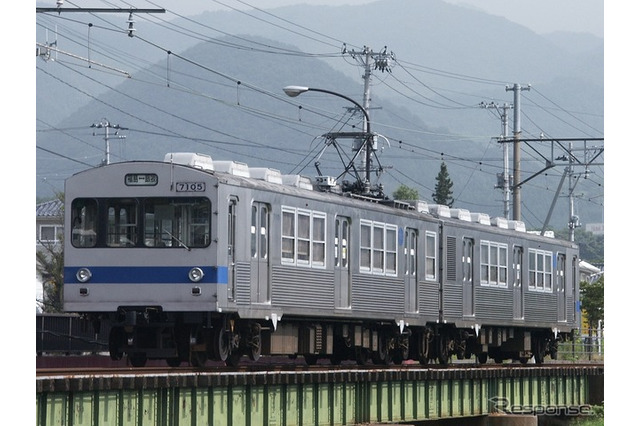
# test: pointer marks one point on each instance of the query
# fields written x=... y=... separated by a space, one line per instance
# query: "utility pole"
x=504 y=178
x=516 y=147
x=370 y=61
x=104 y=124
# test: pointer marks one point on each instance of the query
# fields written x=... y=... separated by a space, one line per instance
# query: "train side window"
x=259 y=231
x=378 y=248
x=319 y=238
x=391 y=250
x=304 y=240
x=493 y=263
x=365 y=245
x=288 y=235
x=254 y=230
x=540 y=274
x=341 y=246
x=84 y=220
x=430 y=255
x=561 y=273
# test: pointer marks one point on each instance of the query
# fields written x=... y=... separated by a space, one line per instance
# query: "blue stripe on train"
x=146 y=274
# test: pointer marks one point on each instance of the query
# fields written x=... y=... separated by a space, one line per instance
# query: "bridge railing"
x=588 y=345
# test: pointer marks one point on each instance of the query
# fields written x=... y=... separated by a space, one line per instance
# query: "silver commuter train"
x=191 y=259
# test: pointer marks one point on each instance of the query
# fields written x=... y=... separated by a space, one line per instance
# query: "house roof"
x=51 y=208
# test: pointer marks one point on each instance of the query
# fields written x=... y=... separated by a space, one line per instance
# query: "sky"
x=541 y=16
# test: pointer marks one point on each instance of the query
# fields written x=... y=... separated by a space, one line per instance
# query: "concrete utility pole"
x=516 y=147
x=504 y=178
x=370 y=61
x=104 y=124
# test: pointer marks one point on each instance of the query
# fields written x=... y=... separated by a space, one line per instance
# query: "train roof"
x=233 y=172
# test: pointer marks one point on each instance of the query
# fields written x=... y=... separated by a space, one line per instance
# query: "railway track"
x=83 y=366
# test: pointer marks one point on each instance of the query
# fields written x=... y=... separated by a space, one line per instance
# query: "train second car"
x=190 y=259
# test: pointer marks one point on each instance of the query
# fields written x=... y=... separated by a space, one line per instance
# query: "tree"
x=592 y=301
x=405 y=193
x=443 y=191
x=50 y=267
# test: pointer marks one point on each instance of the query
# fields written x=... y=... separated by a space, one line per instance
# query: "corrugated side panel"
x=452 y=301
x=452 y=258
x=374 y=294
x=302 y=288
x=494 y=303
x=571 y=310
x=540 y=307
x=429 y=298
x=243 y=283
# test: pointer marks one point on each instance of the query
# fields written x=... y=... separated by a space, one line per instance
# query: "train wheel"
x=138 y=359
x=423 y=349
x=539 y=347
x=116 y=339
x=524 y=360
x=198 y=359
x=443 y=349
x=335 y=359
x=362 y=355
x=255 y=342
x=198 y=356
x=221 y=344
x=174 y=362
x=311 y=359
x=382 y=356
x=233 y=359
x=482 y=357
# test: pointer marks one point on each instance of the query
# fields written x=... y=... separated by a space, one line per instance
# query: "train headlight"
x=83 y=275
x=196 y=274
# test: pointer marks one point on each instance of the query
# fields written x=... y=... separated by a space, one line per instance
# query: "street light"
x=294 y=91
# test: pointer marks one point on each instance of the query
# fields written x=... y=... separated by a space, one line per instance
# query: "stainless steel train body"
x=190 y=259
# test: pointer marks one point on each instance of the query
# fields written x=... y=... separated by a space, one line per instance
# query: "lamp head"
x=294 y=91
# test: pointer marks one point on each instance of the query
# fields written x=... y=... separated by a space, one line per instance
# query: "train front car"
x=141 y=258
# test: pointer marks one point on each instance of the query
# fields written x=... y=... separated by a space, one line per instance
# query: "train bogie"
x=191 y=260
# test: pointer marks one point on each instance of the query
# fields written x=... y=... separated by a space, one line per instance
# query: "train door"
x=410 y=269
x=468 y=291
x=518 y=291
x=341 y=262
x=572 y=291
x=260 y=291
x=561 y=286
x=231 y=248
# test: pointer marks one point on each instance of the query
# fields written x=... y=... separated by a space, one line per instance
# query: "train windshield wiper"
x=177 y=239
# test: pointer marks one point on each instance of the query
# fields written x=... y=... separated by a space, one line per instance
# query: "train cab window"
x=122 y=226
x=177 y=222
x=84 y=220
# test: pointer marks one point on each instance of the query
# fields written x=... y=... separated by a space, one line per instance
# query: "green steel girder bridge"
x=315 y=397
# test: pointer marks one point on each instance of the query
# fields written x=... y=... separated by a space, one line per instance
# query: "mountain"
x=219 y=91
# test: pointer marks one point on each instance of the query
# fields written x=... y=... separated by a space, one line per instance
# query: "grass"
x=597 y=419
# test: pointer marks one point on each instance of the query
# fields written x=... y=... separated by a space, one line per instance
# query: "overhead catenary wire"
x=413 y=67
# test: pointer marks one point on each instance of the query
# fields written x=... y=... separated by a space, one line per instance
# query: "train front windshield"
x=183 y=222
